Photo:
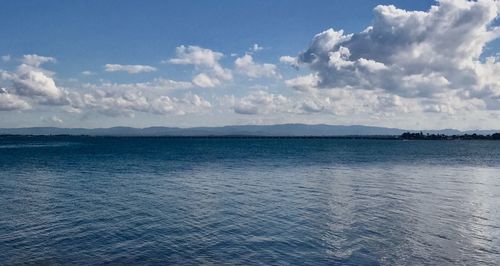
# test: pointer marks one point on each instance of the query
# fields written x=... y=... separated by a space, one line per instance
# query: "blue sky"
x=82 y=37
x=89 y=34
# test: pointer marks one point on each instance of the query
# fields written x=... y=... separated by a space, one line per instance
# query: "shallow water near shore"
x=98 y=200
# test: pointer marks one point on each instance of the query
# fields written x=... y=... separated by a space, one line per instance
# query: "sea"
x=75 y=200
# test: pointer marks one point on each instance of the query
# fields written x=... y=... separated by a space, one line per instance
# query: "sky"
x=406 y=64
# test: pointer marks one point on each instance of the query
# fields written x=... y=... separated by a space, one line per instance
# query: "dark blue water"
x=78 y=200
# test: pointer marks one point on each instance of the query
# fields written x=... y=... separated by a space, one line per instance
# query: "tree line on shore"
x=422 y=136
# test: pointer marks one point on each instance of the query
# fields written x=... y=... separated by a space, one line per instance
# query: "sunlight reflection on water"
x=250 y=201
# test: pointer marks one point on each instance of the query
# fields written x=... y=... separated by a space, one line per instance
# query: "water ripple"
x=279 y=202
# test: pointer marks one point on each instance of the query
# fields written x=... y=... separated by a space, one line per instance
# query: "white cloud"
x=379 y=103
x=158 y=85
x=126 y=103
x=303 y=83
x=406 y=64
x=195 y=101
x=292 y=61
x=376 y=105
x=37 y=60
x=131 y=69
x=412 y=54
x=35 y=83
x=261 y=102
x=205 y=60
x=205 y=81
x=9 y=102
x=346 y=101
x=30 y=85
x=248 y=67
x=256 y=48
x=162 y=105
x=125 y=99
x=195 y=55
x=310 y=106
x=116 y=103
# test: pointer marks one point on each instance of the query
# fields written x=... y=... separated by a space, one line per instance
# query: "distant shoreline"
x=422 y=136
x=206 y=137
x=404 y=137
x=255 y=131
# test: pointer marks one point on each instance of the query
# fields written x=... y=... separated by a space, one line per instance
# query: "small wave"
x=36 y=145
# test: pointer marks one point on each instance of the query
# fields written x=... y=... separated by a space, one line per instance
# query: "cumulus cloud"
x=120 y=103
x=260 y=102
x=131 y=69
x=37 y=60
x=157 y=84
x=404 y=64
x=35 y=83
x=29 y=86
x=376 y=103
x=411 y=54
x=303 y=83
x=290 y=60
x=310 y=106
x=125 y=99
x=205 y=81
x=205 y=60
x=117 y=103
x=346 y=101
x=195 y=101
x=246 y=66
x=195 y=55
x=9 y=102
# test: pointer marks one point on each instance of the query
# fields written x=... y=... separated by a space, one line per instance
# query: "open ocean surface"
x=97 y=200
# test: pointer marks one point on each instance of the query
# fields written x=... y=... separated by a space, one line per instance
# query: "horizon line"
x=244 y=125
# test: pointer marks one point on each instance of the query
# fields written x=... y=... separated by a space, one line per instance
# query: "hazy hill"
x=244 y=130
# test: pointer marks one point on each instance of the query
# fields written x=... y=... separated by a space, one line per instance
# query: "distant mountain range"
x=243 y=130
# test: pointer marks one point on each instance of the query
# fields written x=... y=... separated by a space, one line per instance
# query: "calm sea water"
x=78 y=200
